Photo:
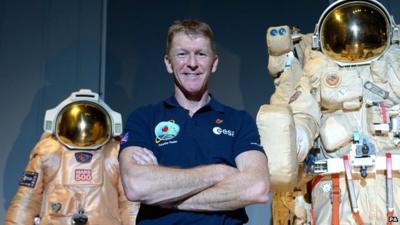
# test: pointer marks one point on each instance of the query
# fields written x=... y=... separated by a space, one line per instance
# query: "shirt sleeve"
x=137 y=131
x=248 y=138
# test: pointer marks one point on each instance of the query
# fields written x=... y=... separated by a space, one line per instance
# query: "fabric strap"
x=389 y=188
x=335 y=198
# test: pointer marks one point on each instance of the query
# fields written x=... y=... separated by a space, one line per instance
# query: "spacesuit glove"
x=303 y=143
x=276 y=64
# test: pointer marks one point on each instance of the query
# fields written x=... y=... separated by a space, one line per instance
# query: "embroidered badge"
x=332 y=80
x=326 y=187
x=28 y=179
x=124 y=138
x=219 y=131
x=83 y=157
x=295 y=96
x=166 y=130
x=83 y=174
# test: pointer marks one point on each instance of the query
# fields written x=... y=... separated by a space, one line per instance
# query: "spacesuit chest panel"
x=341 y=89
x=336 y=130
x=83 y=167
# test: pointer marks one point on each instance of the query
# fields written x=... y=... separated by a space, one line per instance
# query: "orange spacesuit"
x=73 y=173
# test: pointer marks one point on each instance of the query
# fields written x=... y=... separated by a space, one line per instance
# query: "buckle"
x=335 y=193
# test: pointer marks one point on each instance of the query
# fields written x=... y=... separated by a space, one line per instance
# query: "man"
x=190 y=159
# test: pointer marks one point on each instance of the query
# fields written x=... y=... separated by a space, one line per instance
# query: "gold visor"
x=356 y=32
x=83 y=124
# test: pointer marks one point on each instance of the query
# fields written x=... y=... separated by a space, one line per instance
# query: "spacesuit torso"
x=349 y=110
x=348 y=106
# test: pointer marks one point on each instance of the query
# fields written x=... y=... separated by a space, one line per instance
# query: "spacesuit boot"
x=73 y=173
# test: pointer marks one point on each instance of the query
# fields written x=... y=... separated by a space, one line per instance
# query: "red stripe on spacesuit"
x=384 y=113
x=389 y=187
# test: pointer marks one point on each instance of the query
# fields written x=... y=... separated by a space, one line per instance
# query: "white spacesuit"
x=73 y=173
x=334 y=119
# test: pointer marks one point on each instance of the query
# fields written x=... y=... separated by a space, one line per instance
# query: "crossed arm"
x=212 y=187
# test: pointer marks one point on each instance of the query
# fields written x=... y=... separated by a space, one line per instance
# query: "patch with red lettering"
x=83 y=174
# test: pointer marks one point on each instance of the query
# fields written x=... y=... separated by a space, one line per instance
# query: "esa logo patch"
x=219 y=131
x=83 y=174
x=166 y=130
x=28 y=179
x=83 y=157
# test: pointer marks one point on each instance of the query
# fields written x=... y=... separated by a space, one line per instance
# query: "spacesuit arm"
x=278 y=137
x=287 y=134
x=286 y=57
x=158 y=185
x=306 y=114
x=26 y=204
x=289 y=125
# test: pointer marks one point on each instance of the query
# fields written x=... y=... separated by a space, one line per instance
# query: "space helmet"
x=83 y=121
x=354 y=32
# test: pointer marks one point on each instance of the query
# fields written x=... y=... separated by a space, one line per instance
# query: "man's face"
x=192 y=61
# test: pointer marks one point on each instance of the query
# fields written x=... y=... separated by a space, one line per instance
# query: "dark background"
x=136 y=42
x=50 y=48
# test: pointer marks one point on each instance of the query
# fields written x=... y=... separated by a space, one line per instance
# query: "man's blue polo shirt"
x=215 y=134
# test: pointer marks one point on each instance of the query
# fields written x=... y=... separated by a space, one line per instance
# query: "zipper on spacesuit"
x=80 y=218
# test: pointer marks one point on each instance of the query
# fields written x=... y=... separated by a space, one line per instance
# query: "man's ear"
x=215 y=64
x=168 y=64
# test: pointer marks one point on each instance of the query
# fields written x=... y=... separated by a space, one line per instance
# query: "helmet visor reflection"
x=355 y=32
x=83 y=124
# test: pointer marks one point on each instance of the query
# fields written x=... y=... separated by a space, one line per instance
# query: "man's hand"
x=249 y=185
x=143 y=156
